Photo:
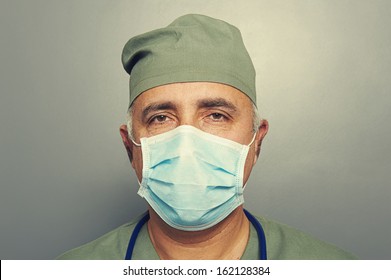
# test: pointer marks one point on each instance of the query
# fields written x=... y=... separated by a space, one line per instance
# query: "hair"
x=255 y=116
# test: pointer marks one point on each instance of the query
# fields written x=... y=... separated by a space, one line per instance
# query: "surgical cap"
x=193 y=48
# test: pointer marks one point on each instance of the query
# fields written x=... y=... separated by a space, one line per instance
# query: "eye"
x=217 y=117
x=158 y=119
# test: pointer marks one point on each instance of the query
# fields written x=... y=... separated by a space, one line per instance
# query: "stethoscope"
x=252 y=219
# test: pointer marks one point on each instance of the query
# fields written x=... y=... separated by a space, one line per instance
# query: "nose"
x=189 y=118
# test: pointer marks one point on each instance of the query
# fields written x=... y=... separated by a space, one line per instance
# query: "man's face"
x=211 y=107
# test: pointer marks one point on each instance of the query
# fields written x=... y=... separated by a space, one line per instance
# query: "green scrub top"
x=282 y=242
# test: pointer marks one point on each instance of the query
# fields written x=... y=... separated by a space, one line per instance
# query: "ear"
x=261 y=133
x=123 y=130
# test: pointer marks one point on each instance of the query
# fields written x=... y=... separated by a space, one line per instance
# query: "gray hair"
x=255 y=115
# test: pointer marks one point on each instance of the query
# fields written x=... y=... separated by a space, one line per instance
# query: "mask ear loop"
x=252 y=141
x=130 y=134
x=136 y=144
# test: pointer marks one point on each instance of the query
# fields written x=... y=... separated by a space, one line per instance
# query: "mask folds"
x=192 y=179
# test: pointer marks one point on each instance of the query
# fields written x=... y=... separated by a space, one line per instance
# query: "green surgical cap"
x=193 y=48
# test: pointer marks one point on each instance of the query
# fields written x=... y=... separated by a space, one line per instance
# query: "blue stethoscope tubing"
x=252 y=219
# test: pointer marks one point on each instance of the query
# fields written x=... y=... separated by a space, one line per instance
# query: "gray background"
x=323 y=83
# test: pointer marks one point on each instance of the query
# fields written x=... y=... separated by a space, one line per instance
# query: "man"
x=193 y=137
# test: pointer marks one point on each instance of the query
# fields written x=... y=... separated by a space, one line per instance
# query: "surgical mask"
x=192 y=179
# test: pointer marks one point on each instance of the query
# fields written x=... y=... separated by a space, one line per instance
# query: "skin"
x=214 y=108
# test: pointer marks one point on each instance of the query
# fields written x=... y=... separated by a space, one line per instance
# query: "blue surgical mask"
x=192 y=179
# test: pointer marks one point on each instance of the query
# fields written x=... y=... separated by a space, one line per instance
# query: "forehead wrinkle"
x=216 y=102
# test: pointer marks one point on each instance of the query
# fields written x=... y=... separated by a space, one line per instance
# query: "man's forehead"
x=200 y=94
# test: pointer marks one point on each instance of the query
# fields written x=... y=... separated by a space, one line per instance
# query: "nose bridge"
x=188 y=116
x=185 y=144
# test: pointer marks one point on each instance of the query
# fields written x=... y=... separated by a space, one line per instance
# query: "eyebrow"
x=215 y=103
x=157 y=107
x=203 y=103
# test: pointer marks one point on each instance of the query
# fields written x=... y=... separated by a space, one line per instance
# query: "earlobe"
x=127 y=143
x=255 y=158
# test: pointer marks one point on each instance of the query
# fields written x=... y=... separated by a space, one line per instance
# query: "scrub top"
x=282 y=242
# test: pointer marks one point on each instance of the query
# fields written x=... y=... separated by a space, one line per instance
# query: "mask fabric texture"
x=192 y=179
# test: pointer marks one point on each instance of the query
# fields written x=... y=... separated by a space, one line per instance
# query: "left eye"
x=217 y=116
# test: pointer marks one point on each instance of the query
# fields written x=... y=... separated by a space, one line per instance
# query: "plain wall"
x=323 y=82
